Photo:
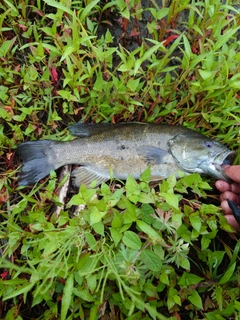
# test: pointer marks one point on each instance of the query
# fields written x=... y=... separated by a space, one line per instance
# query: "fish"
x=104 y=151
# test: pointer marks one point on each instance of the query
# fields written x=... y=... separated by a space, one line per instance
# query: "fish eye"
x=208 y=144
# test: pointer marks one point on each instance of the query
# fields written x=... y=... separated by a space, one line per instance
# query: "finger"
x=235 y=187
x=229 y=195
x=233 y=172
x=231 y=220
x=222 y=186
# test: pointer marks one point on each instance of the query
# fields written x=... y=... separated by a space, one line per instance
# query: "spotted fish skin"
x=106 y=151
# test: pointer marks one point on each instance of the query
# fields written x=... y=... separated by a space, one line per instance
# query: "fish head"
x=196 y=153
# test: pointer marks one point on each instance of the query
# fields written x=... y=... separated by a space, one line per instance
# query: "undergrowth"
x=120 y=251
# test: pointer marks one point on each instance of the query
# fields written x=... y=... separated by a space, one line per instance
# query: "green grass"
x=132 y=251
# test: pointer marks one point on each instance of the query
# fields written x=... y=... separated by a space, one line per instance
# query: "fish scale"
x=107 y=150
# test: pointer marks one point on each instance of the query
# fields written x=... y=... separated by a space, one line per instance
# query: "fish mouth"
x=221 y=161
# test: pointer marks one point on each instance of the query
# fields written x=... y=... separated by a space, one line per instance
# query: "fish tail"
x=38 y=160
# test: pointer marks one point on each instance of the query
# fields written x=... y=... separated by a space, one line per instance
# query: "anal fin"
x=85 y=175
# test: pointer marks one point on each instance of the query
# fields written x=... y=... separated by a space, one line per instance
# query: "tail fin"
x=38 y=160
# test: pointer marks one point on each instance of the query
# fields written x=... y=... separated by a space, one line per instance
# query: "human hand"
x=230 y=191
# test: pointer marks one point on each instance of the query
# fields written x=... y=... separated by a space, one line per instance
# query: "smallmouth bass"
x=107 y=150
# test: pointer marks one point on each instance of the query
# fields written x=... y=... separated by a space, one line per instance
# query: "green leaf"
x=3 y=112
x=219 y=297
x=88 y=9
x=83 y=294
x=153 y=235
x=164 y=278
x=133 y=189
x=67 y=296
x=91 y=241
x=117 y=221
x=205 y=74
x=24 y=289
x=96 y=215
x=147 y=212
x=171 y=198
x=151 y=260
x=131 y=240
x=50 y=247
x=184 y=263
x=195 y=299
x=187 y=47
x=6 y=46
x=58 y=5
x=189 y=279
x=99 y=228
x=130 y=214
x=224 y=38
x=87 y=264
x=146 y=175
x=116 y=236
x=228 y=274
x=69 y=50
x=195 y=221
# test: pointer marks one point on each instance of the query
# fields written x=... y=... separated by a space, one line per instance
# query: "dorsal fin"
x=89 y=129
x=86 y=130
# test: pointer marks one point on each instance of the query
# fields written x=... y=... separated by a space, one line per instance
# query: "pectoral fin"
x=85 y=175
x=235 y=210
x=153 y=155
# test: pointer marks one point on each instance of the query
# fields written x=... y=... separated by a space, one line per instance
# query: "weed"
x=131 y=251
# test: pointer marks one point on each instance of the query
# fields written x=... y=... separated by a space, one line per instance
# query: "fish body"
x=106 y=151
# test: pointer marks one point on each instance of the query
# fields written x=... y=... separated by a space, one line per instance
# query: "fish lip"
x=228 y=157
